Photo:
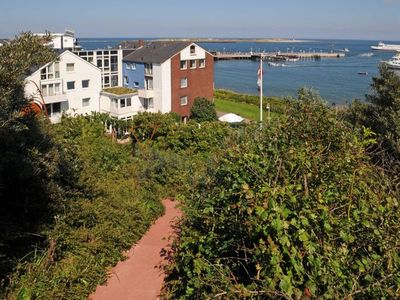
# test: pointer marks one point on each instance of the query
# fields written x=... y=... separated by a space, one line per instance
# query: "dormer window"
x=193 y=50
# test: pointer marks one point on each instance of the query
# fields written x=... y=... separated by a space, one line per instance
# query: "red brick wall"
x=200 y=83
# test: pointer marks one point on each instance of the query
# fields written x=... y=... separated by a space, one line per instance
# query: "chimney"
x=141 y=43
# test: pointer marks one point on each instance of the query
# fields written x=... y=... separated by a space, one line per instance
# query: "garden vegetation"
x=304 y=208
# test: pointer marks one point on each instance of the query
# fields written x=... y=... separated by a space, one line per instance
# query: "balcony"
x=60 y=97
x=143 y=93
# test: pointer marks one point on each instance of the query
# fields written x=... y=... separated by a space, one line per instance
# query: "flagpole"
x=261 y=90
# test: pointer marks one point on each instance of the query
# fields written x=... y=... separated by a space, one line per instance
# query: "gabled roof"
x=36 y=69
x=156 y=52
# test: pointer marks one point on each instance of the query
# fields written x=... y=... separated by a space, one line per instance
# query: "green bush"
x=296 y=210
x=203 y=110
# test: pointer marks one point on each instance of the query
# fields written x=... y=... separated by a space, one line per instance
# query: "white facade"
x=123 y=107
x=70 y=85
x=162 y=87
x=109 y=61
x=61 y=41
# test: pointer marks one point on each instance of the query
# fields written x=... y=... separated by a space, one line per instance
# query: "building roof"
x=156 y=52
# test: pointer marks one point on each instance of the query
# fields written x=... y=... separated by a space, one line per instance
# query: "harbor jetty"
x=276 y=56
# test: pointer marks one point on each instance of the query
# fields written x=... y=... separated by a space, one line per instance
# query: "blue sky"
x=343 y=19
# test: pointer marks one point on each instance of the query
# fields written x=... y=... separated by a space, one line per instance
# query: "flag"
x=259 y=72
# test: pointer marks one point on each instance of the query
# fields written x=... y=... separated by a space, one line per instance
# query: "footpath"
x=141 y=275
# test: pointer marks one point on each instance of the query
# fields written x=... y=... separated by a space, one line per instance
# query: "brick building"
x=170 y=75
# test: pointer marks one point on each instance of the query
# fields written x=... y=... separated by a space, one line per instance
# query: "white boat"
x=272 y=64
x=386 y=47
x=394 y=63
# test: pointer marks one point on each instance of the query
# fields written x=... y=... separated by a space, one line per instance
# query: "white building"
x=122 y=105
x=109 y=61
x=70 y=85
x=61 y=41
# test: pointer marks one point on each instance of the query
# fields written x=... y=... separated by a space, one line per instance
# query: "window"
x=50 y=89
x=136 y=84
x=50 y=72
x=99 y=63
x=122 y=103
x=70 y=85
x=85 y=102
x=184 y=82
x=148 y=103
x=183 y=64
x=70 y=67
x=149 y=83
x=148 y=69
x=184 y=100
x=202 y=63
x=56 y=107
x=106 y=63
x=128 y=66
x=85 y=84
x=114 y=80
x=193 y=64
x=128 y=102
x=57 y=70
x=133 y=66
x=192 y=50
x=114 y=103
x=126 y=80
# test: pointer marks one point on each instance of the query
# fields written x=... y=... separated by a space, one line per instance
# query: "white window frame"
x=73 y=67
x=190 y=64
x=88 y=81
x=128 y=66
x=204 y=63
x=186 y=64
x=184 y=82
x=87 y=101
x=185 y=102
x=73 y=88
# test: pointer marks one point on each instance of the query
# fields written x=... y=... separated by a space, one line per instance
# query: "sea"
x=336 y=79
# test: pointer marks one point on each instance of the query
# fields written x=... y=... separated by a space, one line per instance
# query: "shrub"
x=292 y=211
x=203 y=110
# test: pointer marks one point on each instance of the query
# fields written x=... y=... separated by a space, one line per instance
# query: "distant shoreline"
x=224 y=40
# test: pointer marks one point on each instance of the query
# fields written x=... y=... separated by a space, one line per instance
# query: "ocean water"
x=337 y=80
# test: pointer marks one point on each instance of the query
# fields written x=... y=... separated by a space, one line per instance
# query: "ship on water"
x=394 y=63
x=386 y=47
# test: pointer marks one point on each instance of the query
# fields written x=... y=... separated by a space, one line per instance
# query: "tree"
x=30 y=162
x=203 y=110
x=381 y=113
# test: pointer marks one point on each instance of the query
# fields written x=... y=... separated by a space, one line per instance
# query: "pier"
x=276 y=56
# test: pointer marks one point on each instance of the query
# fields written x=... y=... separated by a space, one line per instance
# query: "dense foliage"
x=381 y=113
x=203 y=110
x=91 y=228
x=294 y=211
x=31 y=180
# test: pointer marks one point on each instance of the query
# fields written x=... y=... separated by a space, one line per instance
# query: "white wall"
x=200 y=53
x=157 y=87
x=166 y=83
x=83 y=70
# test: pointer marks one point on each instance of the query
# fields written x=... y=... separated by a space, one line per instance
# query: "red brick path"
x=140 y=275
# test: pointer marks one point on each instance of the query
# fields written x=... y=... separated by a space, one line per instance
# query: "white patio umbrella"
x=231 y=118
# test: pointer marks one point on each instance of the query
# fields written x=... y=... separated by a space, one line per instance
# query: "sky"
x=337 y=19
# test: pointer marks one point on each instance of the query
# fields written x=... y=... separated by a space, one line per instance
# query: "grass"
x=120 y=90
x=246 y=106
x=244 y=110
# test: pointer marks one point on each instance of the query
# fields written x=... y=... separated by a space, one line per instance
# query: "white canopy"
x=231 y=118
